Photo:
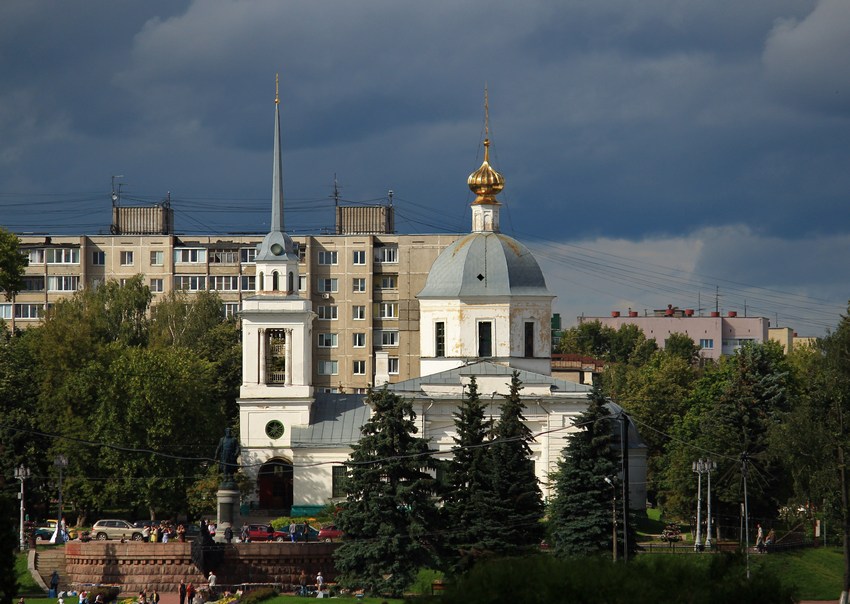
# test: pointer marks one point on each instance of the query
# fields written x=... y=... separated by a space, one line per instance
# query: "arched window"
x=261 y=288
x=290 y=286
x=274 y=281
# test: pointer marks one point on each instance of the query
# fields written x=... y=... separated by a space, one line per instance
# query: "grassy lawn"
x=26 y=585
x=817 y=573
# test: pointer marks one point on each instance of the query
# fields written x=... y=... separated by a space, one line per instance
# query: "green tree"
x=681 y=345
x=8 y=576
x=12 y=265
x=390 y=516
x=628 y=344
x=515 y=510
x=580 y=513
x=468 y=496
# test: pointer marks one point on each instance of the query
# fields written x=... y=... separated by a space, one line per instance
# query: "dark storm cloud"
x=619 y=120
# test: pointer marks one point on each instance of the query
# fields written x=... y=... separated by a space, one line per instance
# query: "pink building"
x=716 y=335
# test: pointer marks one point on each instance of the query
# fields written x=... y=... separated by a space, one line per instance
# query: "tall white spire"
x=277 y=177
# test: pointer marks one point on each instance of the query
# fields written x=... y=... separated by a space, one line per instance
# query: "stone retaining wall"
x=135 y=566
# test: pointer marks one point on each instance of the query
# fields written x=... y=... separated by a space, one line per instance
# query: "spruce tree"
x=390 y=517
x=514 y=504
x=580 y=513
x=468 y=495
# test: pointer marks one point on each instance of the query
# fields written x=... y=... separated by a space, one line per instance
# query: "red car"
x=330 y=533
x=260 y=532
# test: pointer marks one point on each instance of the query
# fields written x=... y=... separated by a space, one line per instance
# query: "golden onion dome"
x=485 y=181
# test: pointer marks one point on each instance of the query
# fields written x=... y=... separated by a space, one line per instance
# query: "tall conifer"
x=390 y=518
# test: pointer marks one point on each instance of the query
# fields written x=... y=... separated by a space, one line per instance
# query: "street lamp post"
x=60 y=462
x=710 y=466
x=698 y=467
x=22 y=473
x=613 y=516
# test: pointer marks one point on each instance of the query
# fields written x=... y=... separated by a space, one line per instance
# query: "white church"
x=485 y=311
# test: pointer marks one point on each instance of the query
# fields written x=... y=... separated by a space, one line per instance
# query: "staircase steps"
x=48 y=559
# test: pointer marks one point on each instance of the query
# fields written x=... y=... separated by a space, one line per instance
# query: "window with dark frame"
x=529 y=339
x=439 y=339
x=485 y=339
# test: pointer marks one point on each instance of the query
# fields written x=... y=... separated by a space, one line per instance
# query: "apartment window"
x=192 y=283
x=98 y=258
x=63 y=283
x=339 y=475
x=35 y=257
x=126 y=258
x=706 y=344
x=360 y=390
x=393 y=365
x=359 y=257
x=485 y=339
x=123 y=281
x=66 y=255
x=358 y=285
x=359 y=367
x=249 y=283
x=328 y=285
x=33 y=284
x=389 y=281
x=358 y=312
x=327 y=340
x=389 y=338
x=229 y=309
x=387 y=254
x=157 y=258
x=248 y=255
x=328 y=313
x=190 y=256
x=5 y=311
x=302 y=283
x=224 y=283
x=529 y=339
x=358 y=340
x=28 y=311
x=439 y=339
x=327 y=258
x=223 y=256
x=328 y=367
x=388 y=310
x=157 y=285
x=300 y=251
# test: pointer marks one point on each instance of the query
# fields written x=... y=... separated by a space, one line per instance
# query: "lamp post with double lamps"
x=699 y=468
x=710 y=466
x=60 y=462
x=22 y=473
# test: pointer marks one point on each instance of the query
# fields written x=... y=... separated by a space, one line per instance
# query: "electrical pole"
x=22 y=473
x=698 y=467
x=710 y=466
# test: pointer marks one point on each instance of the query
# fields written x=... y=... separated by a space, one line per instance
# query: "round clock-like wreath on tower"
x=274 y=429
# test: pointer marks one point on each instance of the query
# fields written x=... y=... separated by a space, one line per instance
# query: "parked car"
x=312 y=532
x=115 y=529
x=45 y=531
x=330 y=533
x=260 y=532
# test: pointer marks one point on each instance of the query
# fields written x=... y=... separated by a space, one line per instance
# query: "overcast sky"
x=656 y=152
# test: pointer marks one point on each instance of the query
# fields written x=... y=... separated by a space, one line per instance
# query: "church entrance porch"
x=274 y=482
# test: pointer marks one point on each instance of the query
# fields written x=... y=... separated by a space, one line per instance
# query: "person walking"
x=212 y=581
x=320 y=581
x=190 y=594
x=302 y=581
x=181 y=591
x=54 y=584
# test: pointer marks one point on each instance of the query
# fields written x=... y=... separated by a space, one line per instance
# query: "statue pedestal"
x=228 y=507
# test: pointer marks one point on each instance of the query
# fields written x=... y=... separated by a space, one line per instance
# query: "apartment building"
x=362 y=286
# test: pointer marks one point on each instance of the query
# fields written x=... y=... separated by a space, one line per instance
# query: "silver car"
x=115 y=529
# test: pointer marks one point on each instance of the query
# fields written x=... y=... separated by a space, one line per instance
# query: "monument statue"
x=227 y=451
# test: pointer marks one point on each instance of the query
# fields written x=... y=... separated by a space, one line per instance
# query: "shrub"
x=258 y=595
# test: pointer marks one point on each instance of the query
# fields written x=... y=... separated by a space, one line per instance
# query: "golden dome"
x=485 y=181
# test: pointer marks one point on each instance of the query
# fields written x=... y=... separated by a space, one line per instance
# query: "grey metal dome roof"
x=485 y=264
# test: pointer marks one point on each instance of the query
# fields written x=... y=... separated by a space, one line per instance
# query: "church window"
x=393 y=365
x=327 y=340
x=328 y=313
x=439 y=339
x=359 y=367
x=275 y=278
x=328 y=367
x=485 y=339
x=529 y=339
x=290 y=283
x=262 y=280
x=276 y=356
x=327 y=258
x=339 y=474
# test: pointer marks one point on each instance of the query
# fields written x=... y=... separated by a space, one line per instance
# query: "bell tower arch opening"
x=274 y=483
